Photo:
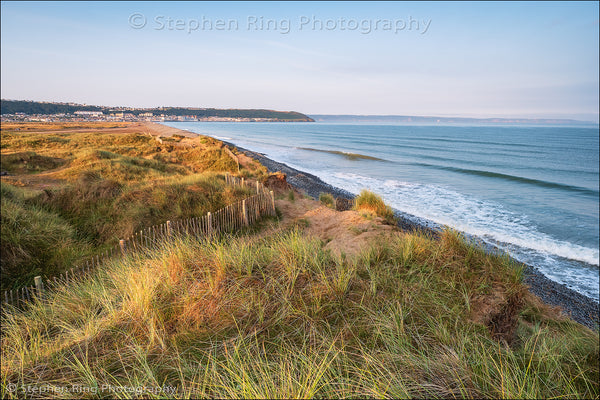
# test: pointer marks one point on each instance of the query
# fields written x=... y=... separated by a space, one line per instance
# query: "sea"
x=531 y=191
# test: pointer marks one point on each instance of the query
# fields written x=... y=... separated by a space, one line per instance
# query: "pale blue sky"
x=460 y=59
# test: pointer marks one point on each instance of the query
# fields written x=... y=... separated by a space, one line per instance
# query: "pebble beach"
x=579 y=307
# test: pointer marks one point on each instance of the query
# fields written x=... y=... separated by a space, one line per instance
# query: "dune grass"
x=371 y=202
x=272 y=315
x=327 y=200
x=34 y=240
x=52 y=126
x=28 y=162
x=87 y=190
x=277 y=316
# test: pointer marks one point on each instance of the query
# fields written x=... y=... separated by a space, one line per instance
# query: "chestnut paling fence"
x=230 y=218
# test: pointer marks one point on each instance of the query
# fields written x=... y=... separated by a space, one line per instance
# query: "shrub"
x=327 y=200
x=28 y=162
x=372 y=202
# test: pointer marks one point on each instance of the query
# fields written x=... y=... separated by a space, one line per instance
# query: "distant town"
x=34 y=111
x=121 y=117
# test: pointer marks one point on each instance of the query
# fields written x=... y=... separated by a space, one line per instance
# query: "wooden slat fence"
x=228 y=219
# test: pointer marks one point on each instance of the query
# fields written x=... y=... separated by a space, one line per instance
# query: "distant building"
x=88 y=113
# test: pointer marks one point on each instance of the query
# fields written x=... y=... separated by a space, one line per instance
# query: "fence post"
x=245 y=212
x=242 y=184
x=39 y=286
x=272 y=202
x=257 y=190
x=169 y=230
x=209 y=221
x=122 y=246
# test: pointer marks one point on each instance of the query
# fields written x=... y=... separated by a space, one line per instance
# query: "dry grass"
x=100 y=187
x=274 y=315
x=54 y=126
x=280 y=317
x=373 y=203
x=327 y=200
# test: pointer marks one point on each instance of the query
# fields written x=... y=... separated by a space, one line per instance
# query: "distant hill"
x=37 y=107
x=444 y=120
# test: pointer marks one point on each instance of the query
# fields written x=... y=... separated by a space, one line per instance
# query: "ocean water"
x=529 y=190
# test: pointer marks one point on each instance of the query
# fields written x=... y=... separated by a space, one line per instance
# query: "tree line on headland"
x=49 y=108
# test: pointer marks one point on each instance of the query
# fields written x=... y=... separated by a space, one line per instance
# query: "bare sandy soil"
x=344 y=232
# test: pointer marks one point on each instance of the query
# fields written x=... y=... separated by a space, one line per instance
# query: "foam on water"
x=474 y=157
x=559 y=260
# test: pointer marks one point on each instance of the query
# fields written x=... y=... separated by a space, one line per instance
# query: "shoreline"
x=577 y=306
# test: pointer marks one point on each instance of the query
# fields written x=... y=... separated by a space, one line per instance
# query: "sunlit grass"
x=327 y=200
x=91 y=189
x=277 y=316
x=371 y=202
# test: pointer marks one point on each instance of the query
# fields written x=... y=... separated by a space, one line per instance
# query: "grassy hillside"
x=317 y=304
x=277 y=316
x=70 y=195
x=35 y=107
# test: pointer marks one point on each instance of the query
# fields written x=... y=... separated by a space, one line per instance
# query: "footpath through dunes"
x=350 y=233
x=343 y=232
x=282 y=314
x=318 y=303
x=579 y=307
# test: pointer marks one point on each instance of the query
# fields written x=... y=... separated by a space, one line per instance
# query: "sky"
x=468 y=59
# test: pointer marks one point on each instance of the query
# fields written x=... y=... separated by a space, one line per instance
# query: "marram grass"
x=96 y=188
x=371 y=202
x=277 y=316
x=327 y=200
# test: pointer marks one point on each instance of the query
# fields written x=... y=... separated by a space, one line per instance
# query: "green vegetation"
x=267 y=312
x=35 y=107
x=35 y=240
x=327 y=200
x=85 y=191
x=277 y=316
x=373 y=203
x=54 y=126
x=28 y=162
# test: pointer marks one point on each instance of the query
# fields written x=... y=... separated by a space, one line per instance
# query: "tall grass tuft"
x=327 y=200
x=371 y=202
x=278 y=316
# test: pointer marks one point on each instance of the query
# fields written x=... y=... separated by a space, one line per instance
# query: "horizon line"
x=454 y=117
x=324 y=114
